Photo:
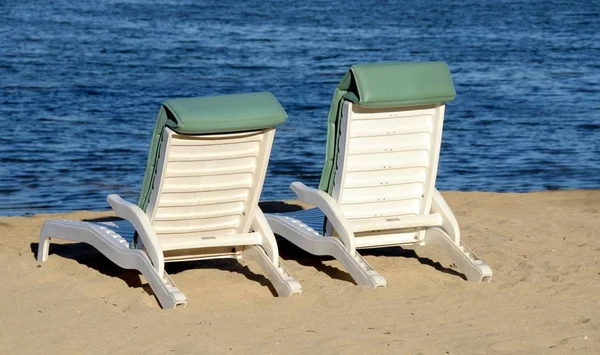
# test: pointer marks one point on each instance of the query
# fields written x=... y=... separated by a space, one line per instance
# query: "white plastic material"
x=384 y=192
x=308 y=239
x=204 y=205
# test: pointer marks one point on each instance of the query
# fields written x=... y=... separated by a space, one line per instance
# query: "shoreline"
x=275 y=206
x=543 y=246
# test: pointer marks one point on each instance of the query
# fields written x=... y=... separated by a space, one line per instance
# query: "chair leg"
x=309 y=240
x=284 y=283
x=115 y=248
x=474 y=269
x=44 y=244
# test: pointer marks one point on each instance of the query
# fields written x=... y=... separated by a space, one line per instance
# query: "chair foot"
x=468 y=263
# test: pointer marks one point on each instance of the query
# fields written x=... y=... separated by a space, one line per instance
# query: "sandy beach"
x=544 y=248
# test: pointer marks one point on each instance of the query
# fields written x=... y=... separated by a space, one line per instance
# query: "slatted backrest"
x=387 y=162
x=208 y=185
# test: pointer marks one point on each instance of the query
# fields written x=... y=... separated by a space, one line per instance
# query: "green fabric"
x=226 y=113
x=395 y=84
x=206 y=115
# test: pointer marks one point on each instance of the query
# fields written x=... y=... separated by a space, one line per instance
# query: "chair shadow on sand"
x=87 y=255
x=288 y=251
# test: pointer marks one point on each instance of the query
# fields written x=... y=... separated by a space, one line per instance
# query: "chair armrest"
x=134 y=214
x=331 y=210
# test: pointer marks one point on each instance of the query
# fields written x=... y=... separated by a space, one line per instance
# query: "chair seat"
x=312 y=217
x=120 y=226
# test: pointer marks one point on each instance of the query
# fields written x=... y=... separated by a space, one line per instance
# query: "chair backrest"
x=387 y=163
x=206 y=167
x=383 y=141
x=207 y=186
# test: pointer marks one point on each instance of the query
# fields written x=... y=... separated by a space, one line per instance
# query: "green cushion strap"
x=150 y=172
x=331 y=149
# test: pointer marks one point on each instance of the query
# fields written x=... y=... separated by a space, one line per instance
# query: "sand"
x=544 y=248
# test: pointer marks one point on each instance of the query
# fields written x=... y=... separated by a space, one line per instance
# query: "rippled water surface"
x=81 y=83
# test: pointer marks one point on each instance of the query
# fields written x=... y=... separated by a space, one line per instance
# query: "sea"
x=81 y=83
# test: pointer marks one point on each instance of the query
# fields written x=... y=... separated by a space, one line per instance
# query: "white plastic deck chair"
x=378 y=184
x=199 y=200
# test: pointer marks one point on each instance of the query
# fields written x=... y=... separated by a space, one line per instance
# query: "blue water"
x=81 y=83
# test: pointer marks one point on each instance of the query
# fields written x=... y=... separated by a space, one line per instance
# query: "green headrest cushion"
x=398 y=84
x=225 y=113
